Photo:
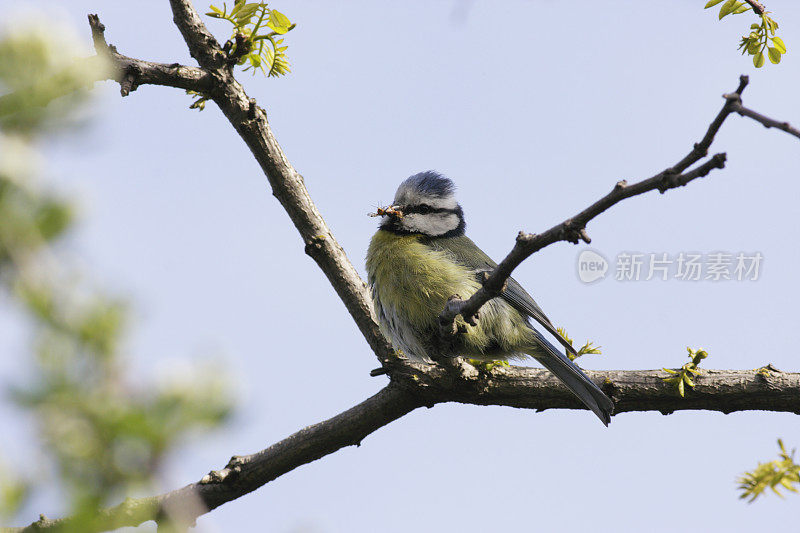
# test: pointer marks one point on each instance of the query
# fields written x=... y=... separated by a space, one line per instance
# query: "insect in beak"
x=392 y=211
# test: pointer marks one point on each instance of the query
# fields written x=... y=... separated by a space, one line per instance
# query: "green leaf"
x=712 y=3
x=774 y=55
x=754 y=26
x=741 y=9
x=680 y=388
x=278 y=22
x=271 y=59
x=726 y=8
x=778 y=42
x=753 y=47
x=239 y=4
x=771 y=24
x=246 y=13
x=758 y=60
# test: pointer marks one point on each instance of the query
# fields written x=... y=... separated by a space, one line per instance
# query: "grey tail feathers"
x=575 y=380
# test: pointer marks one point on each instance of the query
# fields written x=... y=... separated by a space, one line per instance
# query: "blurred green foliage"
x=44 y=80
x=104 y=435
x=782 y=472
x=757 y=41
x=684 y=376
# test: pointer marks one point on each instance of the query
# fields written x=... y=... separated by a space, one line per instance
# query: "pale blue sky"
x=535 y=109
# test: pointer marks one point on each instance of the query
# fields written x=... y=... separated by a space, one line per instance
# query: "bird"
x=420 y=257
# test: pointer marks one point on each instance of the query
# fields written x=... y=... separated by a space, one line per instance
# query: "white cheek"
x=433 y=225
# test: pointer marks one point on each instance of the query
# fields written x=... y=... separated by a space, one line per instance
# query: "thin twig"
x=574 y=229
x=127 y=71
x=131 y=73
x=765 y=120
x=758 y=7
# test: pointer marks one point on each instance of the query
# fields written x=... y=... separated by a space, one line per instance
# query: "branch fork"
x=130 y=73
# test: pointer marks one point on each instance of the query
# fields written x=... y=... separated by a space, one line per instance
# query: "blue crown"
x=430 y=183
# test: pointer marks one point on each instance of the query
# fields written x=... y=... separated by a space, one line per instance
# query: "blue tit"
x=420 y=257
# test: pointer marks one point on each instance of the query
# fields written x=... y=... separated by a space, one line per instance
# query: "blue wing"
x=467 y=253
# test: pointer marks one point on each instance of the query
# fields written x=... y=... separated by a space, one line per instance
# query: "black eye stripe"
x=425 y=209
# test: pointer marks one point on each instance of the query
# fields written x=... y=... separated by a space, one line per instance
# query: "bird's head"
x=424 y=204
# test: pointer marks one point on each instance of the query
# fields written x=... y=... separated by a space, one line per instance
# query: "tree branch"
x=765 y=120
x=725 y=391
x=415 y=385
x=127 y=71
x=250 y=121
x=758 y=7
x=201 y=43
x=574 y=229
x=130 y=72
x=245 y=474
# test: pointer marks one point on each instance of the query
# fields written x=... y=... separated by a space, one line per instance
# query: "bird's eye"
x=423 y=209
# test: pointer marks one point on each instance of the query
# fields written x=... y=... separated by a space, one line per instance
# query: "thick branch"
x=415 y=385
x=574 y=229
x=632 y=390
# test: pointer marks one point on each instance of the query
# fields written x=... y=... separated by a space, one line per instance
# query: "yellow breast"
x=411 y=283
x=415 y=279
